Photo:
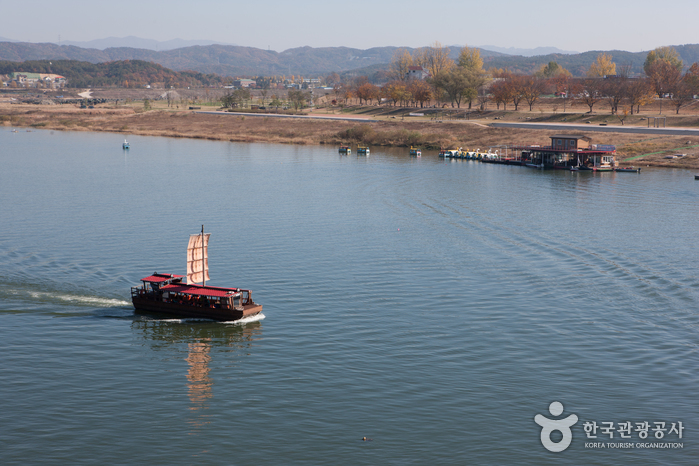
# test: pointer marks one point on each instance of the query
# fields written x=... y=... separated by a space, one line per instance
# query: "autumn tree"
x=666 y=54
x=639 y=92
x=435 y=59
x=552 y=71
x=602 y=67
x=454 y=82
x=471 y=65
x=396 y=91
x=420 y=91
x=400 y=64
x=692 y=78
x=664 y=77
x=470 y=59
x=663 y=67
x=367 y=92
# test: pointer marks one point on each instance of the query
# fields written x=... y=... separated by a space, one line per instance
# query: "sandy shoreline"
x=645 y=149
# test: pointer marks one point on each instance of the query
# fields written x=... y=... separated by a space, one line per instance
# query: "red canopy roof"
x=200 y=290
x=160 y=277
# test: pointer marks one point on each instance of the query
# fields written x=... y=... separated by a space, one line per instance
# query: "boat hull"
x=185 y=310
x=628 y=170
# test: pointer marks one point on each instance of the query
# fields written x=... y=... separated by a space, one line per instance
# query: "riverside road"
x=601 y=129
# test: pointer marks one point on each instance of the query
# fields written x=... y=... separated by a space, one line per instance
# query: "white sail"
x=197 y=269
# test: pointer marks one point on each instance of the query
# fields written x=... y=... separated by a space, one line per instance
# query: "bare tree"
x=531 y=89
x=590 y=93
x=614 y=89
x=516 y=93
x=682 y=93
x=501 y=91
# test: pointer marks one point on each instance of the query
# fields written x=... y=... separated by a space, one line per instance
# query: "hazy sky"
x=579 y=26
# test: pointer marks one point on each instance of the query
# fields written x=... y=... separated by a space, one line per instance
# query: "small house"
x=417 y=72
x=568 y=142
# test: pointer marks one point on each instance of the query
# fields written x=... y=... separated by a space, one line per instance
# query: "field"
x=439 y=127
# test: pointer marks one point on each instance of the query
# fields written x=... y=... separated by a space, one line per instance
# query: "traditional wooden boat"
x=166 y=294
x=415 y=151
x=345 y=149
x=363 y=150
x=628 y=170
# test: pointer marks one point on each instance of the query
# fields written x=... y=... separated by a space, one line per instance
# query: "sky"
x=279 y=25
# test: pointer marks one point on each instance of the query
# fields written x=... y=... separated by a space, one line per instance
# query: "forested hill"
x=125 y=73
x=579 y=63
x=228 y=60
x=225 y=60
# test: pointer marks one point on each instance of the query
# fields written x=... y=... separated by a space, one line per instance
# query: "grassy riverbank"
x=388 y=130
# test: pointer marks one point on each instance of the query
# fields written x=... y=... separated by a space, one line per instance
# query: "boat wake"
x=189 y=320
x=47 y=297
x=83 y=300
x=246 y=320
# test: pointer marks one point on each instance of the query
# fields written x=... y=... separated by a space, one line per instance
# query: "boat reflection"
x=200 y=341
x=199 y=382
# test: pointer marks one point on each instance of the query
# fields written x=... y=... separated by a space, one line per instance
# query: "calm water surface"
x=434 y=307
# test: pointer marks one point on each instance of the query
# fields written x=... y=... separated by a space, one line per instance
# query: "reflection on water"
x=200 y=341
x=200 y=383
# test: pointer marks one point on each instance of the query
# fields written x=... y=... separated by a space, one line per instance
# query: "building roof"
x=570 y=136
x=416 y=68
x=26 y=74
x=565 y=151
x=199 y=290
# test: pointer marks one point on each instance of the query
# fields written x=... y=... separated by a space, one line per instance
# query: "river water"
x=434 y=307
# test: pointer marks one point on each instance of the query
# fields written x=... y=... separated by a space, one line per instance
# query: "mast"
x=203 y=264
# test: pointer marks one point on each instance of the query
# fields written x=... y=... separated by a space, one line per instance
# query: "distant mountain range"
x=152 y=44
x=538 y=51
x=232 y=60
x=139 y=43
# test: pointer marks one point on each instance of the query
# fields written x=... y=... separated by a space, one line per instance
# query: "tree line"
x=123 y=73
x=464 y=82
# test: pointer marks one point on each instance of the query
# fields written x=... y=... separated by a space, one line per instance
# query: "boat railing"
x=139 y=292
